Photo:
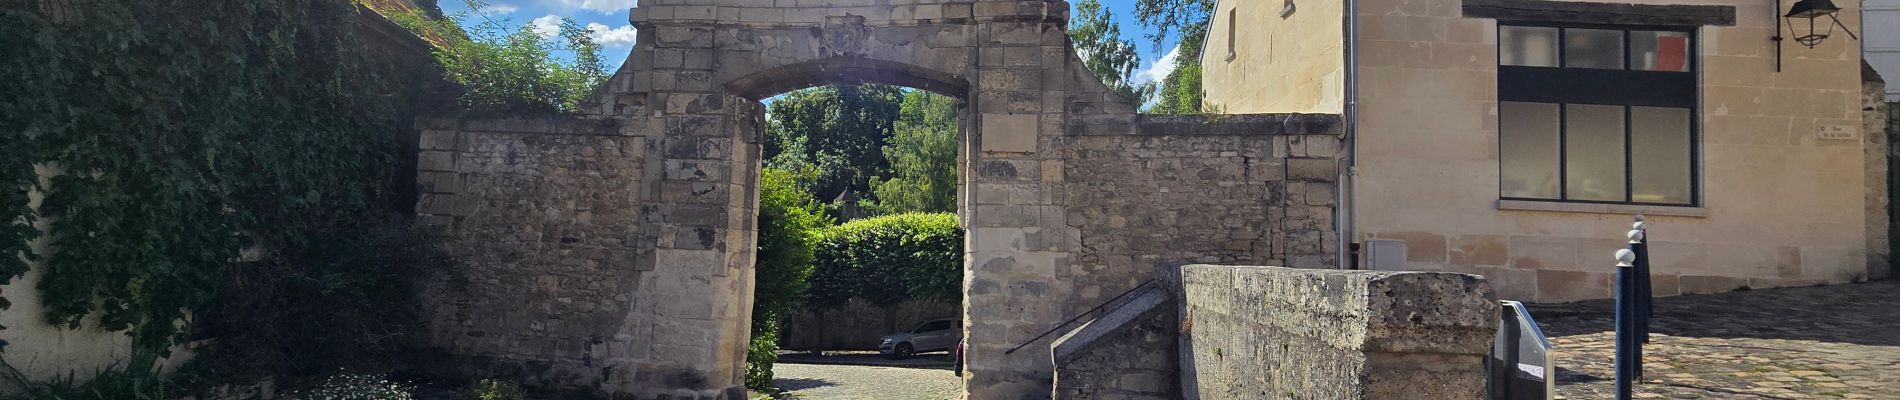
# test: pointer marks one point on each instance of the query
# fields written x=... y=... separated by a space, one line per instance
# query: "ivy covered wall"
x=201 y=161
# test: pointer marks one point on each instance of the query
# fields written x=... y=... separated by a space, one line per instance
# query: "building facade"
x=1517 y=139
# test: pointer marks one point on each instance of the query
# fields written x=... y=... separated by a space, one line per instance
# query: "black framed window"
x=1600 y=114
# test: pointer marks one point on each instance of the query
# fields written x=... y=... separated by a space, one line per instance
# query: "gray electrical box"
x=1385 y=255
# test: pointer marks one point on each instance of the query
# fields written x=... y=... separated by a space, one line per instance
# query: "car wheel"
x=902 y=351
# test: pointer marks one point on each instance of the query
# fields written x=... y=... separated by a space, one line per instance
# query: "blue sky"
x=607 y=19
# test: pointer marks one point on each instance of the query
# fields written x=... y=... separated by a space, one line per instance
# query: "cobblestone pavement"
x=857 y=382
x=1828 y=342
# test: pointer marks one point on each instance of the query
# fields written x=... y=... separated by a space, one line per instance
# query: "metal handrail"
x=1098 y=307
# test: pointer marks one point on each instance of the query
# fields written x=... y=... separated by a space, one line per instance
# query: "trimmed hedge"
x=888 y=259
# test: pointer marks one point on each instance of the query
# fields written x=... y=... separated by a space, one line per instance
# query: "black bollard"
x=1626 y=343
x=1645 y=306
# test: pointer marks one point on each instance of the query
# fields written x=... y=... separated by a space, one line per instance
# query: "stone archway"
x=612 y=253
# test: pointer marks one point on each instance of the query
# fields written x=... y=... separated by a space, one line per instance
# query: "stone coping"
x=1204 y=124
x=542 y=124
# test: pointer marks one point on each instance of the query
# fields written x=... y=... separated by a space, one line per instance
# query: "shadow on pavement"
x=1862 y=313
x=791 y=384
x=924 y=361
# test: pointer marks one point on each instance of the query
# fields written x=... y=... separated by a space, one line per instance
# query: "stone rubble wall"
x=1283 y=333
x=1229 y=189
x=538 y=210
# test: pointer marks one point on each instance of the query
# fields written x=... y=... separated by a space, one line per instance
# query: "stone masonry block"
x=438 y=140
x=1009 y=133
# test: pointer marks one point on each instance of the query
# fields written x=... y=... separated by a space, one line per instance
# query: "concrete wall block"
x=1334 y=334
x=435 y=161
x=438 y=139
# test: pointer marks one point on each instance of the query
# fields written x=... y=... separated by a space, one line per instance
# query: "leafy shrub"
x=345 y=301
x=510 y=69
x=789 y=219
x=493 y=389
x=355 y=387
x=759 y=358
x=888 y=259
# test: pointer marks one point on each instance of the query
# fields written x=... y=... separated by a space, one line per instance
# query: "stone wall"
x=1281 y=333
x=1231 y=189
x=612 y=252
x=538 y=210
x=1289 y=62
x=858 y=325
x=1875 y=111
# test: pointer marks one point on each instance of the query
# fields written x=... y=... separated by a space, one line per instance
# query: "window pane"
x=1527 y=46
x=1527 y=150
x=1659 y=152
x=1659 y=51
x=1593 y=152
x=1593 y=48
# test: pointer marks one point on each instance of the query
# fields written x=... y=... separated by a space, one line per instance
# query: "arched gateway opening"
x=613 y=253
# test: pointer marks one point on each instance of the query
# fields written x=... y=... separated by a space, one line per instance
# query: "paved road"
x=1832 y=342
x=855 y=382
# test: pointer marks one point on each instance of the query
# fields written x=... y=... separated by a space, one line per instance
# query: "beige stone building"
x=1517 y=139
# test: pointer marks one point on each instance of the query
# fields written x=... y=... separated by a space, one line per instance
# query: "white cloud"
x=499 y=9
x=601 y=6
x=610 y=37
x=548 y=26
x=1160 y=69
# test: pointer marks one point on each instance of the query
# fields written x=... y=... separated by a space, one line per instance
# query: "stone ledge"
x=541 y=124
x=1597 y=208
x=1204 y=124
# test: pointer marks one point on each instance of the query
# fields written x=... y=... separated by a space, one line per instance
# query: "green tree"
x=1180 y=91
x=1187 y=18
x=923 y=158
x=840 y=130
x=504 y=69
x=1113 y=59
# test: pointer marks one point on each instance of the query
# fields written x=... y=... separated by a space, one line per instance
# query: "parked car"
x=934 y=335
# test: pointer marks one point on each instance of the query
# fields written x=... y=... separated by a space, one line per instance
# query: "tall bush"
x=888 y=259
x=789 y=221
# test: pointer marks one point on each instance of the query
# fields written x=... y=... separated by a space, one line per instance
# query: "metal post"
x=1638 y=296
x=1625 y=323
x=1646 y=306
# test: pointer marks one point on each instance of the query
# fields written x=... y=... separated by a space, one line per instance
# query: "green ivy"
x=178 y=134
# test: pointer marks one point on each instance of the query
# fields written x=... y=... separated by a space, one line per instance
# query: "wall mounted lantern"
x=1811 y=10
